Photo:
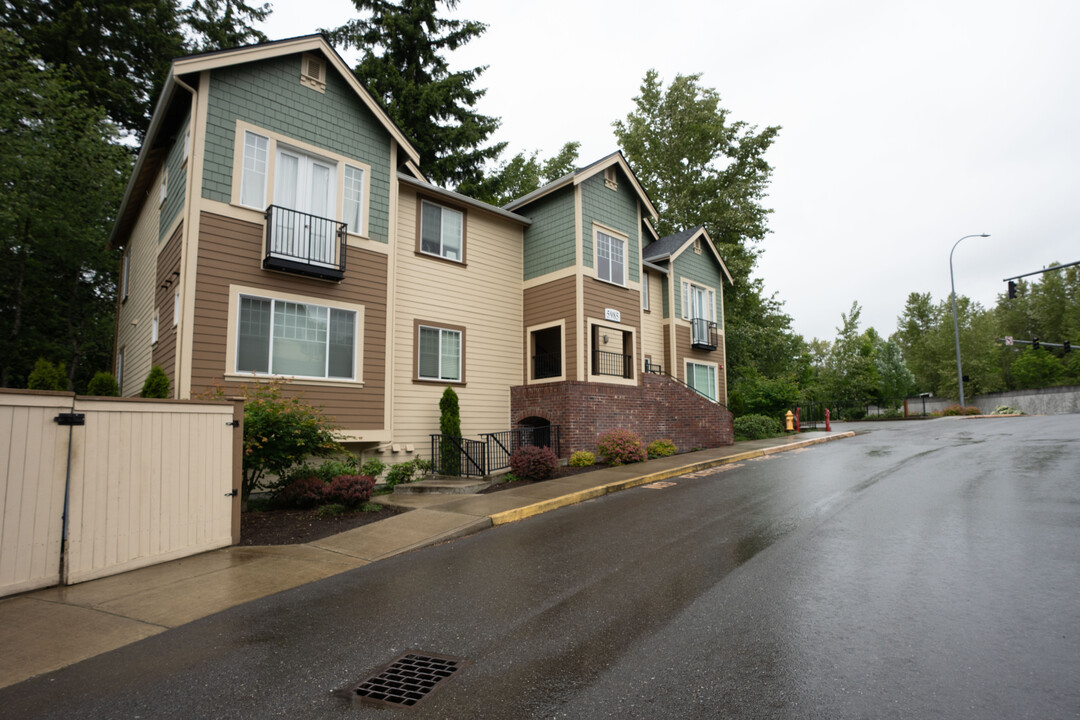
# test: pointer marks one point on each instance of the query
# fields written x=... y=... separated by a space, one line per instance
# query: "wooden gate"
x=146 y=481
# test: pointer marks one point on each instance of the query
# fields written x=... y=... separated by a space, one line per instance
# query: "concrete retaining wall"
x=1043 y=401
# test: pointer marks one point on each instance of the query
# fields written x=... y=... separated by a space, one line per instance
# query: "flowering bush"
x=533 y=463
x=582 y=458
x=621 y=447
x=954 y=410
x=350 y=490
x=303 y=493
x=662 y=448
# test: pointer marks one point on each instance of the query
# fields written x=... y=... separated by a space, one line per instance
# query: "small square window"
x=442 y=231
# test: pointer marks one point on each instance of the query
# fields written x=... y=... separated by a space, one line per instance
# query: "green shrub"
x=103 y=384
x=449 y=424
x=582 y=458
x=46 y=376
x=534 y=463
x=373 y=467
x=350 y=490
x=156 y=384
x=661 y=448
x=332 y=510
x=1005 y=410
x=621 y=447
x=956 y=410
x=279 y=432
x=756 y=427
x=371 y=507
x=404 y=472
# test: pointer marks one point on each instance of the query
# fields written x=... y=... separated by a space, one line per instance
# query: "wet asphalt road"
x=919 y=570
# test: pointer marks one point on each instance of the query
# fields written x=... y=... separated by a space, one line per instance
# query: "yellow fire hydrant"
x=789 y=421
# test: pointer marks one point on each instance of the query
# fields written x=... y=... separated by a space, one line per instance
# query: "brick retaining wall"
x=659 y=408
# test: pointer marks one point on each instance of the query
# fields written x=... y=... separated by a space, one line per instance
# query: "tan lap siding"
x=548 y=303
x=136 y=313
x=230 y=253
x=654 y=329
x=168 y=276
x=483 y=296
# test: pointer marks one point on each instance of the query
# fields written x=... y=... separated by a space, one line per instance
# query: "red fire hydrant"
x=827 y=428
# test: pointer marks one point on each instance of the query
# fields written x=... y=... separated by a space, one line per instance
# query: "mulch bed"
x=292 y=527
x=563 y=471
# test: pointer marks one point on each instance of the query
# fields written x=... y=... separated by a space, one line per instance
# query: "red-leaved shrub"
x=303 y=493
x=533 y=463
x=350 y=490
x=621 y=447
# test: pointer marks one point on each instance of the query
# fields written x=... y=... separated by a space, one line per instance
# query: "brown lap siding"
x=230 y=253
x=551 y=302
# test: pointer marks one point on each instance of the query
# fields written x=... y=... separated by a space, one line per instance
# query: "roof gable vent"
x=313 y=72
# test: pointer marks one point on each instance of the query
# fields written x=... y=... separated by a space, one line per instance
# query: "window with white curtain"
x=438 y=354
x=282 y=337
x=353 y=200
x=253 y=179
x=702 y=378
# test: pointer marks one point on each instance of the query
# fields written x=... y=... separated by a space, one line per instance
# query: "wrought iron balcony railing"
x=548 y=365
x=703 y=334
x=303 y=243
x=614 y=364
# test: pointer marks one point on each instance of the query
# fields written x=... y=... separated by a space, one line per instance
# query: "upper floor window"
x=282 y=337
x=441 y=231
x=698 y=302
x=353 y=199
x=439 y=352
x=610 y=258
x=644 y=291
x=253 y=182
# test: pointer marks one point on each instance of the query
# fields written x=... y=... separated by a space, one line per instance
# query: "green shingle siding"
x=175 y=182
x=616 y=209
x=268 y=94
x=549 y=241
x=701 y=269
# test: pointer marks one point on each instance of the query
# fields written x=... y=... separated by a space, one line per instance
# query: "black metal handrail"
x=452 y=455
x=547 y=365
x=615 y=364
x=703 y=334
x=695 y=390
x=304 y=243
x=501 y=445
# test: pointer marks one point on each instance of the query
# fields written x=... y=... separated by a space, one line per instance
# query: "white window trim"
x=610 y=379
x=125 y=275
x=461 y=241
x=176 y=309
x=154 y=327
x=274 y=139
x=686 y=303
x=561 y=324
x=716 y=377
x=461 y=360
x=233 y=328
x=164 y=187
x=625 y=240
x=645 y=290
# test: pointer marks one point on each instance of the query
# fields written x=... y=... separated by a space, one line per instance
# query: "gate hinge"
x=234 y=493
x=234 y=423
x=70 y=419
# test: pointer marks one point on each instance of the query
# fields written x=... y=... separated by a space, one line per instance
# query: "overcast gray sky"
x=906 y=125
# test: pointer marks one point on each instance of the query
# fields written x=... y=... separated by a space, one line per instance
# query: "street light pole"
x=955 y=322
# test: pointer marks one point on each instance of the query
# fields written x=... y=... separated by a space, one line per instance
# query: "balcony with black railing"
x=547 y=365
x=305 y=244
x=613 y=364
x=703 y=334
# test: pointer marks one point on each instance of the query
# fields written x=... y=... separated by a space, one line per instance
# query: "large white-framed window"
x=440 y=353
x=442 y=231
x=289 y=337
x=698 y=302
x=702 y=377
x=273 y=169
x=610 y=258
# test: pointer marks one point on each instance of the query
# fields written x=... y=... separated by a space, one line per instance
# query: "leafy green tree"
x=522 y=174
x=754 y=394
x=1037 y=369
x=220 y=24
x=850 y=374
x=156 y=384
x=47 y=376
x=62 y=179
x=403 y=64
x=895 y=381
x=449 y=426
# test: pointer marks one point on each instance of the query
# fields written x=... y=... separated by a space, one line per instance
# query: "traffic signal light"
x=1034 y=343
x=1012 y=290
x=1067 y=346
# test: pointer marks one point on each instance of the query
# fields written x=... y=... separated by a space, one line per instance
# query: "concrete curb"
x=544 y=506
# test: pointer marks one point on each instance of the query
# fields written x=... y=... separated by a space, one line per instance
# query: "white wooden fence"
x=144 y=481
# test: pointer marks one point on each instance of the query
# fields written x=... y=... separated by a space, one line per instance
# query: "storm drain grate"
x=407 y=680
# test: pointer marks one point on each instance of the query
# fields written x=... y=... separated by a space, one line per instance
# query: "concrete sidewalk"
x=49 y=629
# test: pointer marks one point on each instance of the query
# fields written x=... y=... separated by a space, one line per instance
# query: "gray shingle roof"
x=668 y=245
